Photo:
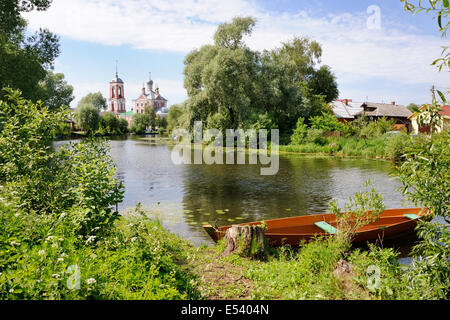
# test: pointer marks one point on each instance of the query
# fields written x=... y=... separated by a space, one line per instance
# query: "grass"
x=344 y=147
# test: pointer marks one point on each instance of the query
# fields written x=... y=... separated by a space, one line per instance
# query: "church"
x=148 y=97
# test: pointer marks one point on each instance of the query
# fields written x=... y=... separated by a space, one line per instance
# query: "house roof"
x=128 y=113
x=385 y=110
x=347 y=111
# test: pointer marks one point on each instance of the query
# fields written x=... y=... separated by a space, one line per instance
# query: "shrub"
x=397 y=145
x=316 y=136
x=299 y=135
x=327 y=122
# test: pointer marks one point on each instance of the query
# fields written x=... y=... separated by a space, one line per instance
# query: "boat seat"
x=412 y=216
x=326 y=227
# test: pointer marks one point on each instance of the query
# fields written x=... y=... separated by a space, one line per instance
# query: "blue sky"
x=389 y=61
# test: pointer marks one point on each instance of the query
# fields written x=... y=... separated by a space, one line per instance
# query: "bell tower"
x=117 y=100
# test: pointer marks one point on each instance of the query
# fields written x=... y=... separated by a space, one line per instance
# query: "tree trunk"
x=247 y=240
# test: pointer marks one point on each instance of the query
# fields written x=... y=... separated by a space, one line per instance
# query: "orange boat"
x=392 y=223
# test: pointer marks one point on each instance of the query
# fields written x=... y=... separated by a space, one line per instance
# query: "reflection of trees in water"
x=300 y=185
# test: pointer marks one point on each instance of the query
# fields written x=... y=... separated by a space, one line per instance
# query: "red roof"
x=445 y=111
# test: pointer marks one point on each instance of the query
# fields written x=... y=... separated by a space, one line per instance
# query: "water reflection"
x=186 y=196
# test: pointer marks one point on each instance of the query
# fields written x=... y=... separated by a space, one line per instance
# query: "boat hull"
x=294 y=230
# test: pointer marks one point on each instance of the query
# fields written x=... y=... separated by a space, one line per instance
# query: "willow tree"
x=220 y=79
x=231 y=86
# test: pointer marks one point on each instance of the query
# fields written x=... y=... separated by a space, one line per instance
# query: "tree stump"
x=247 y=240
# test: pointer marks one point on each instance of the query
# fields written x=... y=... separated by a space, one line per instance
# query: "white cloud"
x=394 y=53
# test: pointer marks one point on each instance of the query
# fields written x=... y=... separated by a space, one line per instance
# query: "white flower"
x=56 y=275
x=90 y=239
x=60 y=259
x=41 y=252
x=90 y=281
x=15 y=243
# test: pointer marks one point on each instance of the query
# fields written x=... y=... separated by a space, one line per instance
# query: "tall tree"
x=24 y=59
x=54 y=91
x=323 y=82
x=221 y=78
x=96 y=99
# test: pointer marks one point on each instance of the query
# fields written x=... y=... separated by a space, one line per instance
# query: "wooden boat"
x=292 y=230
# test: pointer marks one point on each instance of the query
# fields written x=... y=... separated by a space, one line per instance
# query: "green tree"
x=150 y=111
x=109 y=124
x=122 y=126
x=96 y=99
x=221 y=78
x=323 y=82
x=54 y=91
x=413 y=107
x=174 y=116
x=24 y=58
x=87 y=117
x=139 y=123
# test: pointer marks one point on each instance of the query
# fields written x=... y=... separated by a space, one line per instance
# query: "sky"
x=376 y=50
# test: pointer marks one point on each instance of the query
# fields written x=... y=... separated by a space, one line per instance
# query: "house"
x=348 y=110
x=445 y=123
x=345 y=109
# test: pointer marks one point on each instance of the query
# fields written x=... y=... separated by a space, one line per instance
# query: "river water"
x=186 y=196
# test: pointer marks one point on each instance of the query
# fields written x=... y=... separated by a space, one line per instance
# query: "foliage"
x=397 y=145
x=323 y=82
x=137 y=260
x=96 y=99
x=232 y=86
x=299 y=135
x=425 y=174
x=425 y=177
x=412 y=107
x=87 y=117
x=24 y=58
x=429 y=116
x=111 y=125
x=54 y=91
x=150 y=111
x=57 y=217
x=326 y=122
x=139 y=123
x=174 y=116
x=363 y=208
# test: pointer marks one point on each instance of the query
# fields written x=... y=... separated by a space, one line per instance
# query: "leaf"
x=445 y=3
x=441 y=95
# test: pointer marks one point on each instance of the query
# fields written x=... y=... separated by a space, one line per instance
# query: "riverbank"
x=383 y=147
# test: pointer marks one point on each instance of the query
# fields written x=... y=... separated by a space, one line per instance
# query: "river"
x=185 y=196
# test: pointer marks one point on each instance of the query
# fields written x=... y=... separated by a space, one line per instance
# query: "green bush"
x=397 y=145
x=60 y=237
x=327 y=122
x=316 y=136
x=299 y=135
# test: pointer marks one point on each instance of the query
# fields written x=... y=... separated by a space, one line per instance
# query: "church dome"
x=117 y=79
